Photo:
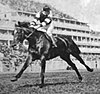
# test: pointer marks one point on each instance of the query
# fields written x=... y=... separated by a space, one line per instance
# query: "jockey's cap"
x=46 y=8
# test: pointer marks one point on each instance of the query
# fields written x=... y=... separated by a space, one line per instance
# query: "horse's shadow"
x=50 y=84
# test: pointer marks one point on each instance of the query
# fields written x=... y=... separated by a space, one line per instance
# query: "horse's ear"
x=16 y=25
x=19 y=23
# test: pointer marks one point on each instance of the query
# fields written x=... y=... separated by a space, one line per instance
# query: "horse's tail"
x=72 y=47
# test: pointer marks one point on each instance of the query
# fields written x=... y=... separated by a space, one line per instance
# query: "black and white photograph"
x=49 y=46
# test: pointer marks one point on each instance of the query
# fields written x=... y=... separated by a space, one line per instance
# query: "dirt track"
x=55 y=83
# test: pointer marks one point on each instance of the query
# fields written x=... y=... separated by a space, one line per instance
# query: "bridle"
x=24 y=30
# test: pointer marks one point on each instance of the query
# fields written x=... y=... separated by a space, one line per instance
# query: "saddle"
x=46 y=35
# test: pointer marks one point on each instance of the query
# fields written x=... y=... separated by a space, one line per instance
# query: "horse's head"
x=21 y=32
x=18 y=35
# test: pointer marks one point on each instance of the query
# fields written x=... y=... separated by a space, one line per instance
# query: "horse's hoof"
x=90 y=70
x=41 y=86
x=14 y=79
x=80 y=79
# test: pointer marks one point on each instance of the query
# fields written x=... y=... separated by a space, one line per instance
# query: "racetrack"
x=55 y=83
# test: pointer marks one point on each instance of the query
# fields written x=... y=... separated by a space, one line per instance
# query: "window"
x=79 y=38
x=55 y=19
x=87 y=39
x=72 y=22
x=63 y=28
x=5 y=15
x=55 y=27
x=95 y=40
x=74 y=37
x=92 y=46
x=61 y=20
x=83 y=38
x=82 y=31
x=74 y=30
x=78 y=23
x=88 y=46
x=66 y=21
x=79 y=45
x=68 y=29
x=91 y=39
x=83 y=24
x=87 y=32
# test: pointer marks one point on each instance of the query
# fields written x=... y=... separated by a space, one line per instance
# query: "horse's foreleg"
x=43 y=63
x=67 y=59
x=26 y=64
x=82 y=62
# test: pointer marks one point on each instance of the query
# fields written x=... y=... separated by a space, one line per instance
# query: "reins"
x=23 y=28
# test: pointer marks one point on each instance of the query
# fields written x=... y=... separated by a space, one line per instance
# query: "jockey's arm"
x=47 y=21
x=36 y=19
x=50 y=15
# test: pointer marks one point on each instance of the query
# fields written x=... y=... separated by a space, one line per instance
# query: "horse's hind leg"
x=82 y=62
x=66 y=57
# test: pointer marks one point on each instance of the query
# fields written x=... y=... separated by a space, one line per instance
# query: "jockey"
x=44 y=21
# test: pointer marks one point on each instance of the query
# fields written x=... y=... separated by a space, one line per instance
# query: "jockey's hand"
x=41 y=25
x=37 y=26
x=33 y=23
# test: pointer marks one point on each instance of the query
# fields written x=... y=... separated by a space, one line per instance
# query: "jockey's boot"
x=53 y=41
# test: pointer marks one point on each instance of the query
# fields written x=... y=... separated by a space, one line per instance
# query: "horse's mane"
x=22 y=24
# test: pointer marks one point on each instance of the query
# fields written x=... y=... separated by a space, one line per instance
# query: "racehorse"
x=40 y=48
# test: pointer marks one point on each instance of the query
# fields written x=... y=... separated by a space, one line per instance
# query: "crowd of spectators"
x=12 y=58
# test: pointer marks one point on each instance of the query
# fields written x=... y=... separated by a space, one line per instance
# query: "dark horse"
x=40 y=47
